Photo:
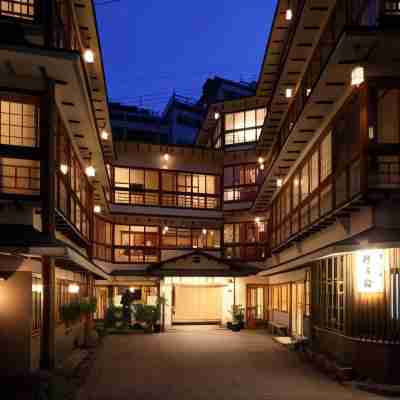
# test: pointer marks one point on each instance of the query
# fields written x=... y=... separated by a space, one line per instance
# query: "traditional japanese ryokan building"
x=287 y=204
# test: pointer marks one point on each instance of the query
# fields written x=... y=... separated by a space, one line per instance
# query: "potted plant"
x=70 y=313
x=237 y=318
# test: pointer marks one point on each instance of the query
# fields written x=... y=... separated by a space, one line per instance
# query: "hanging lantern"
x=289 y=14
x=88 y=56
x=90 y=171
x=104 y=134
x=357 y=76
x=64 y=169
x=73 y=288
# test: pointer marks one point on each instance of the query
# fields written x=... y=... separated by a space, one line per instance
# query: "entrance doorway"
x=197 y=304
x=297 y=311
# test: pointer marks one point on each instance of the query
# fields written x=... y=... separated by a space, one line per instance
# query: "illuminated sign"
x=370 y=271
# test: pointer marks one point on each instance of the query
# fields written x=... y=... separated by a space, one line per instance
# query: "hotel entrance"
x=198 y=300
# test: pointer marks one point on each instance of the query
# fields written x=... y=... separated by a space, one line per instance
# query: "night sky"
x=153 y=47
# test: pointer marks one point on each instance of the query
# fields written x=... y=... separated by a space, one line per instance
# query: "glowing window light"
x=289 y=93
x=73 y=288
x=90 y=171
x=37 y=288
x=88 y=56
x=64 y=169
x=357 y=76
x=370 y=271
x=289 y=14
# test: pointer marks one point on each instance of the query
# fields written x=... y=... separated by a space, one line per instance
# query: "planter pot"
x=235 y=328
x=148 y=329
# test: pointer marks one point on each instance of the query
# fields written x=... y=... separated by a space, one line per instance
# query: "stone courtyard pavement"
x=196 y=363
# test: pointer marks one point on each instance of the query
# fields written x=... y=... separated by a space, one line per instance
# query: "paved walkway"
x=199 y=363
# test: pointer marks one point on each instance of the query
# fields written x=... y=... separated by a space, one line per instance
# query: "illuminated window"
x=18 y=124
x=244 y=127
x=19 y=176
x=326 y=157
x=24 y=9
x=240 y=182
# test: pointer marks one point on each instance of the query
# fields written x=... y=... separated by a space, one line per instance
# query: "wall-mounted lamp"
x=279 y=182
x=165 y=230
x=73 y=288
x=289 y=14
x=371 y=132
x=217 y=116
x=262 y=167
x=90 y=171
x=288 y=93
x=166 y=157
x=308 y=91
x=260 y=160
x=64 y=169
x=97 y=209
x=104 y=135
x=88 y=56
x=357 y=76
x=204 y=231
x=257 y=220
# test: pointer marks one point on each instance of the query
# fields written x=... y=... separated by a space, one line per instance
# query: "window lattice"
x=24 y=9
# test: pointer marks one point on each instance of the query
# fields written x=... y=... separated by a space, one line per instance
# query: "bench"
x=276 y=327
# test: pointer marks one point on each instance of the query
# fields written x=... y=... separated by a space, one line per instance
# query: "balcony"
x=26 y=10
x=324 y=82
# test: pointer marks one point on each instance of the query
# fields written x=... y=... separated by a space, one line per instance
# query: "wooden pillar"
x=48 y=124
x=47 y=11
x=47 y=354
x=110 y=296
x=90 y=317
x=48 y=131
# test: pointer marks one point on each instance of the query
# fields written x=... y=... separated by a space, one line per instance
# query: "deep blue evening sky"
x=152 y=47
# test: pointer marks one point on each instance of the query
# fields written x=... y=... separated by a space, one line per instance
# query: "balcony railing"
x=334 y=193
x=354 y=13
x=21 y=9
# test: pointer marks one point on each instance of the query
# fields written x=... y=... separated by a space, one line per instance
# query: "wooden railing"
x=22 y=9
x=331 y=195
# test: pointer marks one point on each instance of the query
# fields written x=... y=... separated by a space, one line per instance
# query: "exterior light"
x=371 y=132
x=73 y=288
x=370 y=271
x=37 y=288
x=296 y=182
x=97 y=209
x=357 y=76
x=289 y=14
x=260 y=160
x=279 y=182
x=257 y=220
x=308 y=91
x=104 y=134
x=165 y=230
x=90 y=171
x=262 y=167
x=204 y=231
x=132 y=289
x=166 y=157
x=165 y=166
x=64 y=169
x=217 y=115
x=289 y=93
x=88 y=56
